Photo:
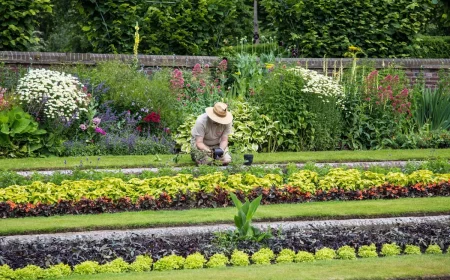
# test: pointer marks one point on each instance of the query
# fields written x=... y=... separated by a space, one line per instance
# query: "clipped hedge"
x=327 y=28
x=432 y=47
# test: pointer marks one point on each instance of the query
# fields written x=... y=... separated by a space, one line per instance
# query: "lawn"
x=378 y=268
x=185 y=160
x=279 y=212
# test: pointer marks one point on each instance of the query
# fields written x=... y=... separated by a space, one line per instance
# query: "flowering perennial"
x=319 y=84
x=58 y=95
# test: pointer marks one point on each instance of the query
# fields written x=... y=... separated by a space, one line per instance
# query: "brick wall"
x=413 y=67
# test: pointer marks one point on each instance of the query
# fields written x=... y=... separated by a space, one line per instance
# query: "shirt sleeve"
x=227 y=129
x=199 y=129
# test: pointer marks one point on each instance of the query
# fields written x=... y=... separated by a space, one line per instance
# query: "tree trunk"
x=255 y=22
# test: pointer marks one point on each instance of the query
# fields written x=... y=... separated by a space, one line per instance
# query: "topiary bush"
x=346 y=253
x=285 y=256
x=195 y=260
x=217 y=260
x=303 y=256
x=390 y=250
x=169 y=263
x=239 y=258
x=368 y=251
x=325 y=254
x=142 y=263
x=433 y=249
x=263 y=256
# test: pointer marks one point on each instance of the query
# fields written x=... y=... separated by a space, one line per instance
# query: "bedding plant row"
x=264 y=256
x=72 y=250
x=212 y=190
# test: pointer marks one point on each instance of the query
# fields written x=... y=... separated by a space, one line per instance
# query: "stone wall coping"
x=52 y=58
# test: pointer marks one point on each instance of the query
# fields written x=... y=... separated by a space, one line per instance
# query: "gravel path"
x=299 y=165
x=177 y=231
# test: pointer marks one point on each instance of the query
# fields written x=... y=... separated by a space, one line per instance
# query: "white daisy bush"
x=58 y=95
x=319 y=84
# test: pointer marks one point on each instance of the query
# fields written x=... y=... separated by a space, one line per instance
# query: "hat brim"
x=222 y=120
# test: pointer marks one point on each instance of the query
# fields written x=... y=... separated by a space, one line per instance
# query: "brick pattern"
x=413 y=66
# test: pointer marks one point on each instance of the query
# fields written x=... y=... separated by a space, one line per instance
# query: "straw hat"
x=219 y=113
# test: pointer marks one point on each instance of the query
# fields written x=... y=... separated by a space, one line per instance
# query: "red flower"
x=152 y=117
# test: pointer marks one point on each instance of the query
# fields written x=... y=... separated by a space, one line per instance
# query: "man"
x=210 y=133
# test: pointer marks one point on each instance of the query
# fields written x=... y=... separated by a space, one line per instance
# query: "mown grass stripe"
x=304 y=211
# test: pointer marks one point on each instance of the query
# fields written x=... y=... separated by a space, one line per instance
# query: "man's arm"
x=200 y=145
x=223 y=142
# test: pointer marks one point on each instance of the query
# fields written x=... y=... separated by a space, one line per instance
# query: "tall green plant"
x=244 y=217
x=433 y=109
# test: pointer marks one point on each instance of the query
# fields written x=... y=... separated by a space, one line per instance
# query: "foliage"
x=141 y=264
x=29 y=272
x=432 y=47
x=87 y=267
x=382 y=29
x=285 y=256
x=390 y=250
x=115 y=266
x=368 y=251
x=244 y=217
x=433 y=249
x=325 y=254
x=433 y=110
x=183 y=135
x=412 y=250
x=346 y=253
x=20 y=19
x=239 y=258
x=193 y=261
x=19 y=134
x=263 y=256
x=184 y=27
x=130 y=92
x=217 y=260
x=303 y=256
x=169 y=263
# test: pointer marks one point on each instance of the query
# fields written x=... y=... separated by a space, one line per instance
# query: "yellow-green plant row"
x=264 y=256
x=116 y=188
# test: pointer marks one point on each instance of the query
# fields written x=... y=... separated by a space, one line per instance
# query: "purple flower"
x=99 y=130
x=96 y=121
x=83 y=127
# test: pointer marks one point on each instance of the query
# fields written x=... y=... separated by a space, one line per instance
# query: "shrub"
x=87 y=267
x=303 y=256
x=433 y=249
x=263 y=256
x=58 y=271
x=239 y=258
x=142 y=263
x=52 y=95
x=390 y=250
x=412 y=250
x=346 y=253
x=29 y=272
x=116 y=266
x=368 y=251
x=195 y=260
x=169 y=263
x=6 y=272
x=325 y=254
x=285 y=256
x=217 y=260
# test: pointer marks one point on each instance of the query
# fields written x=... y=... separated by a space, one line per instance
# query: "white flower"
x=61 y=94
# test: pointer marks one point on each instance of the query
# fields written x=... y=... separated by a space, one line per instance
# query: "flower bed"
x=184 y=191
x=72 y=250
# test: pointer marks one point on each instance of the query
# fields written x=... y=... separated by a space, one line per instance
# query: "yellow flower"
x=269 y=65
x=238 y=73
x=354 y=49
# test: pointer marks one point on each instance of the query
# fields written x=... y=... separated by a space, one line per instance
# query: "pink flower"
x=83 y=127
x=197 y=69
x=96 y=121
x=99 y=130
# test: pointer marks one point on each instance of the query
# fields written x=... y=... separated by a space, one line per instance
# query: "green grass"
x=304 y=211
x=376 y=268
x=185 y=160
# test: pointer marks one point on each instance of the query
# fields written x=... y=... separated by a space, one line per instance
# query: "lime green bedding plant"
x=194 y=261
x=263 y=256
x=346 y=253
x=169 y=263
x=141 y=263
x=217 y=260
x=368 y=251
x=285 y=256
x=412 y=250
x=239 y=258
x=87 y=267
x=325 y=254
x=433 y=249
x=303 y=256
x=392 y=249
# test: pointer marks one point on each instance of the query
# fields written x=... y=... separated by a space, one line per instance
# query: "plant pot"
x=248 y=159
